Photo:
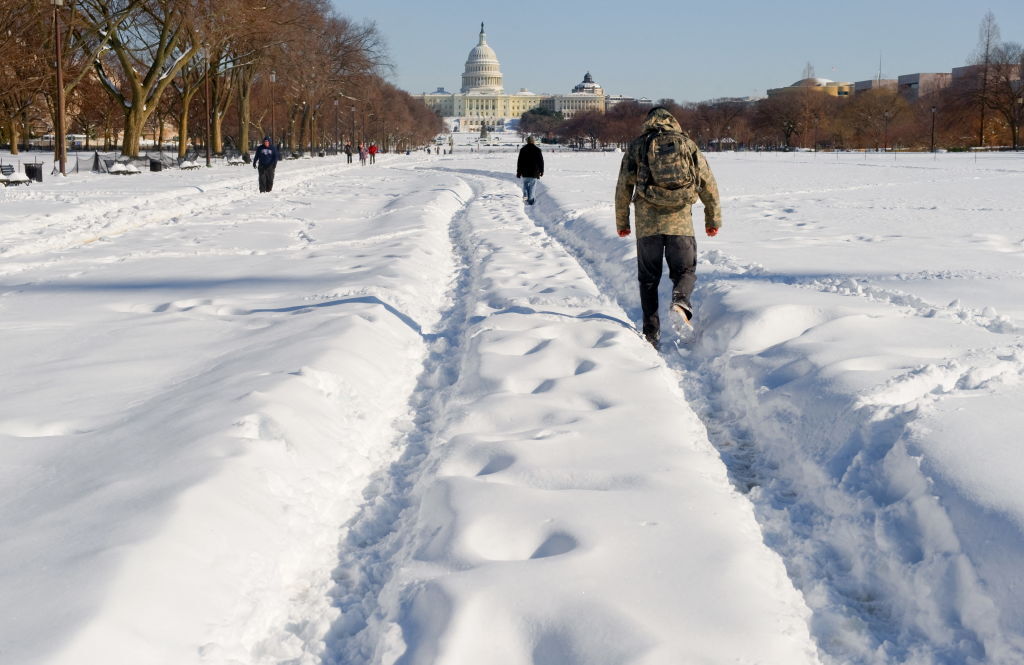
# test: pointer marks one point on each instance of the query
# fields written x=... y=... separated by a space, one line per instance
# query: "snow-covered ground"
x=389 y=415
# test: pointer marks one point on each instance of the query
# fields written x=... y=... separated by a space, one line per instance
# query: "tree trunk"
x=183 y=119
x=216 y=136
x=243 y=118
x=12 y=131
x=222 y=102
x=183 y=133
x=312 y=132
x=134 y=121
x=302 y=128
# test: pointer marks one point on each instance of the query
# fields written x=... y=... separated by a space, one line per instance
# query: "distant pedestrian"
x=363 y=154
x=348 y=153
x=373 y=153
x=530 y=168
x=662 y=174
x=265 y=161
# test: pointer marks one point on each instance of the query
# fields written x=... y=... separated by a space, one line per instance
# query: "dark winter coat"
x=531 y=162
x=266 y=156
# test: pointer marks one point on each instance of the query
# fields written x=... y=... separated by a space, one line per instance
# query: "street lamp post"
x=933 y=128
x=273 y=108
x=337 y=132
x=60 y=144
x=885 y=140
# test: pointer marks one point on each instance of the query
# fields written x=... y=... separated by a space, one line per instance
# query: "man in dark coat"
x=530 y=168
x=265 y=161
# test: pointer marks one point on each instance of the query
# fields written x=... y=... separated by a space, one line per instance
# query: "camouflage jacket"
x=651 y=219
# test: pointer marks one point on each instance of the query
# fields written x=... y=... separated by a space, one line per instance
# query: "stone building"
x=483 y=102
x=914 y=86
x=874 y=84
x=820 y=85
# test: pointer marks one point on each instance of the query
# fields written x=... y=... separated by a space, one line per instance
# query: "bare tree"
x=540 y=122
x=148 y=46
x=869 y=115
x=783 y=115
x=718 y=116
x=22 y=67
x=988 y=41
x=1005 y=88
x=186 y=86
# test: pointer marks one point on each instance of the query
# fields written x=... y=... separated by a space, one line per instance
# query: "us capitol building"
x=482 y=101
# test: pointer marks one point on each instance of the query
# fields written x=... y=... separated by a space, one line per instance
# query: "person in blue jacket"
x=265 y=161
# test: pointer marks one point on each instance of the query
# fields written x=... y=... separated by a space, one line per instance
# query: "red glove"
x=623 y=233
x=711 y=231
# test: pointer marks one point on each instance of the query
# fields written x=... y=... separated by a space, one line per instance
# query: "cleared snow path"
x=558 y=502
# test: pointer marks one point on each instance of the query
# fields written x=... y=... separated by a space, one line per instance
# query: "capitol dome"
x=483 y=71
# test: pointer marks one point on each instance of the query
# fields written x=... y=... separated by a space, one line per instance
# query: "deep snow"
x=388 y=414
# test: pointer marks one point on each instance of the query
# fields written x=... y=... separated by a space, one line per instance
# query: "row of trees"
x=135 y=68
x=985 y=108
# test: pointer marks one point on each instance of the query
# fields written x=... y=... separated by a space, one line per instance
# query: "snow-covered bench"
x=123 y=169
x=9 y=176
x=188 y=165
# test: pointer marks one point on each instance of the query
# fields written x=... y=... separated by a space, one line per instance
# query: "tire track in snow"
x=372 y=539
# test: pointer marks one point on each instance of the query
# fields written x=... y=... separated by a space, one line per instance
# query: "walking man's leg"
x=270 y=178
x=528 y=186
x=650 y=251
x=681 y=256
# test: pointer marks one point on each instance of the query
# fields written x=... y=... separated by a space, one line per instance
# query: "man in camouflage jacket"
x=664 y=231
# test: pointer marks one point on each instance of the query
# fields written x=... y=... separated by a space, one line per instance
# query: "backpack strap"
x=644 y=160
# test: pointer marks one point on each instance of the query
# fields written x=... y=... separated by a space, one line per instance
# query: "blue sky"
x=684 y=51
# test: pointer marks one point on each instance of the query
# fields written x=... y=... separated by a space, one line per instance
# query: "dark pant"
x=680 y=252
x=266 y=178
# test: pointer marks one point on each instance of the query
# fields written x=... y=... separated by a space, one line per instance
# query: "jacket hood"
x=661 y=120
x=267 y=138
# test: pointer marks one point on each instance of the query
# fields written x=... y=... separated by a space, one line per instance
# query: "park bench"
x=120 y=168
x=10 y=177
